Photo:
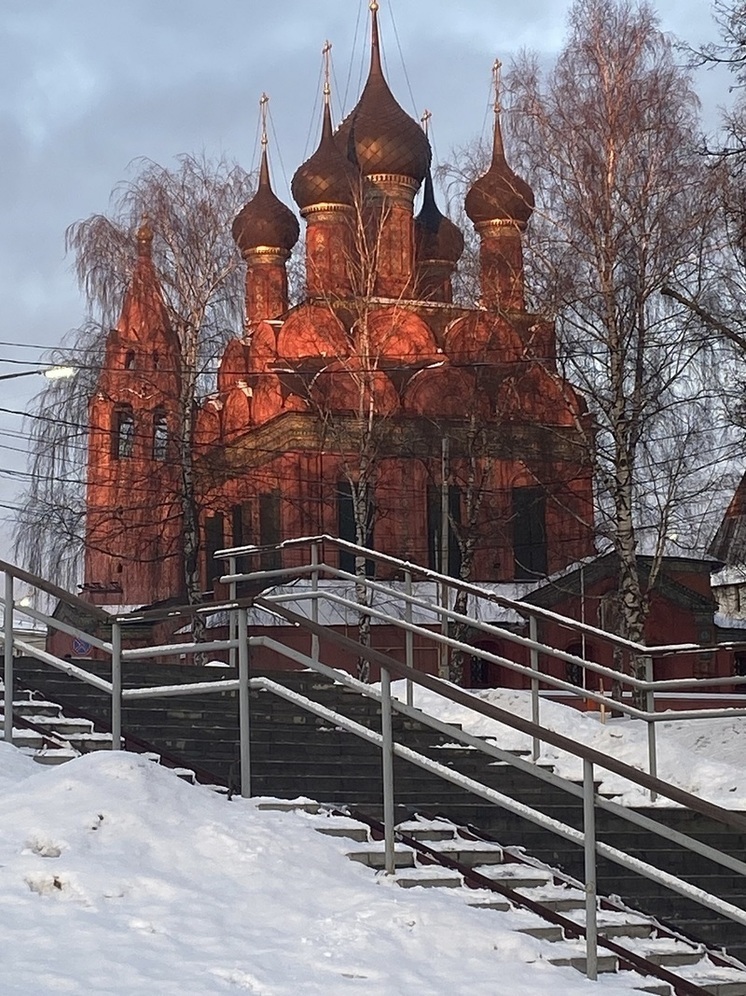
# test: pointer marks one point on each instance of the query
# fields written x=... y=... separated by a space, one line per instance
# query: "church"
x=376 y=408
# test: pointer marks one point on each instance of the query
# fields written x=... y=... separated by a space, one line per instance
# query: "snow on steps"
x=641 y=935
x=57 y=738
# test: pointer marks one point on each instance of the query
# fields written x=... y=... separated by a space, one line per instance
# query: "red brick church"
x=375 y=391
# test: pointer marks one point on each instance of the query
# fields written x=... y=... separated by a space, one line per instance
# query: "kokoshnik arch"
x=353 y=391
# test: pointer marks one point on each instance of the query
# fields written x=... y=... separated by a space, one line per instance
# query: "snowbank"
x=117 y=878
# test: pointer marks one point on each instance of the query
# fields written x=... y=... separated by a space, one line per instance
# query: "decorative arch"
x=447 y=392
x=337 y=389
x=234 y=365
x=312 y=331
x=482 y=338
x=400 y=334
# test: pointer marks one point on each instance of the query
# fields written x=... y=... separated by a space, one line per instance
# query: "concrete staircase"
x=548 y=905
x=296 y=754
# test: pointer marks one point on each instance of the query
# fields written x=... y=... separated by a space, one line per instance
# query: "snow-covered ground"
x=117 y=878
x=704 y=756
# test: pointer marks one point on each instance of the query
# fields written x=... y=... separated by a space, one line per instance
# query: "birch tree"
x=189 y=209
x=610 y=139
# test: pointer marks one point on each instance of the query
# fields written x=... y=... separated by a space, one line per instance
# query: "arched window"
x=129 y=360
x=123 y=433
x=160 y=435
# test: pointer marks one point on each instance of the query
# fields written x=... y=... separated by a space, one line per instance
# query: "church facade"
x=376 y=408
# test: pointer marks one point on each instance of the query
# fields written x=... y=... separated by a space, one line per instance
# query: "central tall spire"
x=378 y=135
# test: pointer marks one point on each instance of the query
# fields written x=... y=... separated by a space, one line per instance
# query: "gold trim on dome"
x=330 y=208
x=488 y=227
x=396 y=178
x=267 y=254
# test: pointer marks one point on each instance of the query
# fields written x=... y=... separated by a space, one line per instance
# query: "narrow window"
x=129 y=360
x=270 y=529
x=529 y=533
x=214 y=541
x=242 y=531
x=739 y=671
x=160 y=435
x=156 y=360
x=347 y=527
x=123 y=434
x=435 y=529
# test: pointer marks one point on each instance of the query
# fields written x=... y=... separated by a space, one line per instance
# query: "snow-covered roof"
x=332 y=614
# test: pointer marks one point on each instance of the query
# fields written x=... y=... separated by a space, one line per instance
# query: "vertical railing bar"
x=652 y=733
x=8 y=680
x=387 y=760
x=315 y=599
x=409 y=635
x=116 y=686
x=233 y=622
x=244 y=718
x=535 y=708
x=591 y=898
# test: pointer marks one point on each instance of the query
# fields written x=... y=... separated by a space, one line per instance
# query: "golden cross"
x=264 y=109
x=497 y=78
x=327 y=53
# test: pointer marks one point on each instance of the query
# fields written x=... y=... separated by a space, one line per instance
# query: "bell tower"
x=133 y=534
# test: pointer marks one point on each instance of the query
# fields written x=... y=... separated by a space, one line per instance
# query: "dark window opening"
x=214 y=541
x=739 y=671
x=529 y=533
x=123 y=436
x=435 y=530
x=576 y=673
x=270 y=529
x=160 y=436
x=156 y=360
x=129 y=360
x=347 y=528
x=242 y=534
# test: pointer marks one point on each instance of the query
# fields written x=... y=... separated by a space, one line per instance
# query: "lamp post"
x=51 y=373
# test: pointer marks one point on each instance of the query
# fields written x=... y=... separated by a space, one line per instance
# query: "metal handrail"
x=522 y=608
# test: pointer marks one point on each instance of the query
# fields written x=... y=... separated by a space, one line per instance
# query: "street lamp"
x=51 y=373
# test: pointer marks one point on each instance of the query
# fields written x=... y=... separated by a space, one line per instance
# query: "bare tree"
x=189 y=209
x=609 y=139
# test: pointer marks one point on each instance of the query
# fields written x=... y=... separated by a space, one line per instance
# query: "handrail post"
x=387 y=751
x=8 y=658
x=652 y=732
x=591 y=899
x=444 y=652
x=116 y=686
x=244 y=719
x=533 y=632
x=315 y=599
x=408 y=635
x=232 y=626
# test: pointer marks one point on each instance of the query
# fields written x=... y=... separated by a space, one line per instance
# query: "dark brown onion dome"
x=437 y=236
x=378 y=135
x=328 y=177
x=265 y=221
x=499 y=195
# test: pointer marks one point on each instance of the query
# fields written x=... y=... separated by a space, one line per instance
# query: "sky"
x=88 y=87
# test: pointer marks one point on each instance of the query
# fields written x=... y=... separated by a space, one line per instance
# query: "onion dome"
x=265 y=222
x=437 y=236
x=378 y=135
x=499 y=195
x=328 y=177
